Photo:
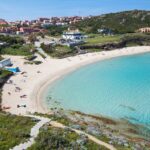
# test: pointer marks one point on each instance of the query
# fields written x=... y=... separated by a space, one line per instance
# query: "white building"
x=74 y=35
x=3 y=43
x=5 y=62
x=44 y=25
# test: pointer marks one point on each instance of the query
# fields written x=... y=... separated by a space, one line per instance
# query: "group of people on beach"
x=17 y=89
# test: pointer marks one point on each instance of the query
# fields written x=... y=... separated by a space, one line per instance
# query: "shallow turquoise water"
x=117 y=88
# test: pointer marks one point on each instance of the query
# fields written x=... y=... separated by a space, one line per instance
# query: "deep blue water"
x=117 y=88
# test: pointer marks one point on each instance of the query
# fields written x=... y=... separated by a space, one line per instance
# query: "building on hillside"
x=5 y=62
x=69 y=43
x=73 y=35
x=8 y=30
x=144 y=30
x=3 y=43
x=25 y=23
x=60 y=23
x=12 y=24
x=105 y=31
x=42 y=20
x=27 y=30
x=45 y=25
x=3 y=22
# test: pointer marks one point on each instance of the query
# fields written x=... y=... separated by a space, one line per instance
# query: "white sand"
x=51 y=69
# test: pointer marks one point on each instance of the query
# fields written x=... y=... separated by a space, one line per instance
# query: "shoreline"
x=62 y=73
x=52 y=70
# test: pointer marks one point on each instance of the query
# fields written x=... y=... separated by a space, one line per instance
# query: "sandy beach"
x=35 y=79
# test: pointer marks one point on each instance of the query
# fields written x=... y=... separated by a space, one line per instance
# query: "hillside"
x=121 y=22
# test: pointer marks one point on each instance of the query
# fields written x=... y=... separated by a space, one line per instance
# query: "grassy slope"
x=61 y=51
x=121 y=22
x=55 y=138
x=17 y=50
x=14 y=46
x=133 y=39
x=14 y=130
x=98 y=39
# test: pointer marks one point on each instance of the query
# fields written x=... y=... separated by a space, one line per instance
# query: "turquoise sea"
x=117 y=88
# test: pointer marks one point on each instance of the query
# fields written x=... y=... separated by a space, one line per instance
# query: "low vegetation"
x=11 y=40
x=30 y=57
x=17 y=49
x=124 y=41
x=58 y=51
x=55 y=138
x=99 y=39
x=36 y=62
x=14 y=130
x=63 y=51
x=14 y=46
x=4 y=74
x=120 y=133
x=120 y=23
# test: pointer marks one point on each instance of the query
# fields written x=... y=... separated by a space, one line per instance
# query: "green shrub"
x=33 y=62
x=120 y=22
x=30 y=57
x=14 y=130
x=24 y=50
x=55 y=138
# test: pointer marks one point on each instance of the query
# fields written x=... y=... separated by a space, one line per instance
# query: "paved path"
x=33 y=134
x=35 y=131
x=42 y=51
